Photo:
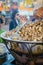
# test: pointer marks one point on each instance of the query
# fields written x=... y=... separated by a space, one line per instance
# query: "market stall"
x=25 y=42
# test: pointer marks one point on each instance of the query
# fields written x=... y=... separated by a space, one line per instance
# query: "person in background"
x=12 y=25
x=14 y=22
x=1 y=21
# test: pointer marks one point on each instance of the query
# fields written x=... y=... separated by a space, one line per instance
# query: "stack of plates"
x=2 y=53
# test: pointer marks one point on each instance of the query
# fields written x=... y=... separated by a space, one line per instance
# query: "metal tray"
x=19 y=41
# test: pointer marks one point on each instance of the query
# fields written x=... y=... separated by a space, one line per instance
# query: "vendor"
x=39 y=13
x=39 y=9
x=14 y=21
